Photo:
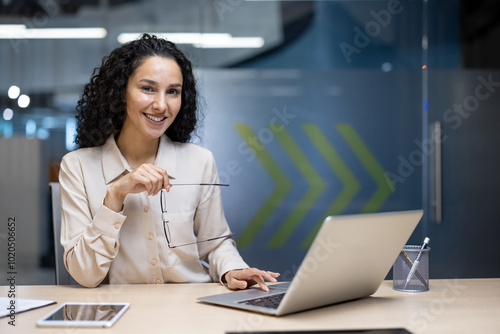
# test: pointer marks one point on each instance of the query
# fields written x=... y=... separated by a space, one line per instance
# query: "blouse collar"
x=114 y=164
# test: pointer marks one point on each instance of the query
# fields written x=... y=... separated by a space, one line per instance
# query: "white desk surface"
x=451 y=306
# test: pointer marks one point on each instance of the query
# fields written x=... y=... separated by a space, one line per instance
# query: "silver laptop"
x=349 y=258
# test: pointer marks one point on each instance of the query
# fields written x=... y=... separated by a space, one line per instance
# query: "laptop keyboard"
x=271 y=301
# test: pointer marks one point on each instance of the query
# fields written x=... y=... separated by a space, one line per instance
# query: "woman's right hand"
x=146 y=177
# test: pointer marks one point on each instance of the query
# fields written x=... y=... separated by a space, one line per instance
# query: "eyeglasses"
x=166 y=229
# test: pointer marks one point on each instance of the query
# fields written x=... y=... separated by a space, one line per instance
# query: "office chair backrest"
x=62 y=275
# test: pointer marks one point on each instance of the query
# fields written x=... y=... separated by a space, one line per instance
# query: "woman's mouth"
x=155 y=119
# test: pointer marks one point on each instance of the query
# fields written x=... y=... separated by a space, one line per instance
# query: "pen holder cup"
x=407 y=279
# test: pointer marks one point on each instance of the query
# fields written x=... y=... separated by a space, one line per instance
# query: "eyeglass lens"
x=166 y=229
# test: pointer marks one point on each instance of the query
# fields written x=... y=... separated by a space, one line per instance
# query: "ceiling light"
x=23 y=101
x=19 y=31
x=201 y=40
x=234 y=42
x=13 y=92
x=178 y=38
x=12 y=27
x=8 y=114
x=8 y=130
x=42 y=134
x=30 y=128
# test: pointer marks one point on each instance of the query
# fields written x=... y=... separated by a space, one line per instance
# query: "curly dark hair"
x=102 y=110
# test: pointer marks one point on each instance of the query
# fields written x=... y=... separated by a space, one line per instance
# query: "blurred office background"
x=312 y=108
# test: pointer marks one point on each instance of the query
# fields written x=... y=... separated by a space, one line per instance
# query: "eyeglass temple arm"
x=197 y=242
x=200 y=184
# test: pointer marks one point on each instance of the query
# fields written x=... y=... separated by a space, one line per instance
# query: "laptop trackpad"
x=277 y=287
x=253 y=292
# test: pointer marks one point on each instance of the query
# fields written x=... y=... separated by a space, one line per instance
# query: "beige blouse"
x=130 y=246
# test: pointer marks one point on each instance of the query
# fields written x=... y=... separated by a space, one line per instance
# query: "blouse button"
x=117 y=225
x=158 y=281
x=153 y=262
x=150 y=236
x=146 y=209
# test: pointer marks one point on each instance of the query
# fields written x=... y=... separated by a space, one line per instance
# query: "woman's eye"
x=147 y=89
x=173 y=91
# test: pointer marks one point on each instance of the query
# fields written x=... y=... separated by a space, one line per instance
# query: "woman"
x=135 y=119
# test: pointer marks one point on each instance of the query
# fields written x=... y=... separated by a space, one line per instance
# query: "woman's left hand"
x=243 y=278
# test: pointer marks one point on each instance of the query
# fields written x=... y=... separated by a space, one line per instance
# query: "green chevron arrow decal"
x=283 y=186
x=317 y=186
x=351 y=185
x=371 y=165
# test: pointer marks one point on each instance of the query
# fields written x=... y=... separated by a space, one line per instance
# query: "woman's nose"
x=160 y=103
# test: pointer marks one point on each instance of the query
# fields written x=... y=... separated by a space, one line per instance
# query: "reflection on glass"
x=70 y=134
x=91 y=312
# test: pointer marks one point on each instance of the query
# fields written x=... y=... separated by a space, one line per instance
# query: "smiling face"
x=153 y=98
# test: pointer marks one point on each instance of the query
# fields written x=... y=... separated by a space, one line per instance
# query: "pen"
x=409 y=263
x=415 y=264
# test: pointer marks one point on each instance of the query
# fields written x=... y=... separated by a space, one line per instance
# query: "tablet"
x=84 y=315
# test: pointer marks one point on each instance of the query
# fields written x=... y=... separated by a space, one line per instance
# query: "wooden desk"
x=451 y=306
